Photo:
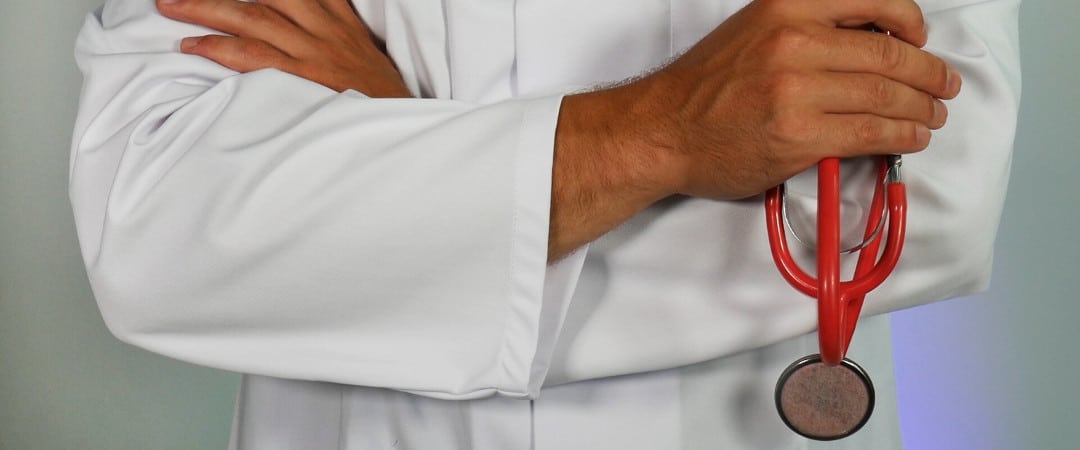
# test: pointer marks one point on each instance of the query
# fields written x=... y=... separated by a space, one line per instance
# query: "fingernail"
x=188 y=43
x=953 y=81
x=940 y=113
x=922 y=133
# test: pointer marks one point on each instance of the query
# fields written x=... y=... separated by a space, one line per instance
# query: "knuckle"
x=881 y=94
x=868 y=132
x=786 y=42
x=786 y=87
x=210 y=44
x=788 y=128
x=255 y=51
x=889 y=53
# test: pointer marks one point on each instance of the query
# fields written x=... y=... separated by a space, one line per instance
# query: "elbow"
x=965 y=248
x=128 y=312
x=109 y=270
x=138 y=282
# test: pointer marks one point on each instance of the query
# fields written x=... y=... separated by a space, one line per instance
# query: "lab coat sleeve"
x=262 y=223
x=956 y=188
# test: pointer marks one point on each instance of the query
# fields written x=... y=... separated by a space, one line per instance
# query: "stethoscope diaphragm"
x=824 y=402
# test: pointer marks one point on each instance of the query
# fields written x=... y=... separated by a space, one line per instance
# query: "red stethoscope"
x=828 y=396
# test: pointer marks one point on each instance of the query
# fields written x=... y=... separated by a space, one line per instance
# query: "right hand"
x=781 y=85
x=324 y=41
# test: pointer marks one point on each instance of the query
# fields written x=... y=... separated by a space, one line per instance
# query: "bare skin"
x=770 y=92
x=321 y=40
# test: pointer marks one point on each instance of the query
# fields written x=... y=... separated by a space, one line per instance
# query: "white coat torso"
x=378 y=268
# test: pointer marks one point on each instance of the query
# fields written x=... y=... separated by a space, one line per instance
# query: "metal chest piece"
x=824 y=402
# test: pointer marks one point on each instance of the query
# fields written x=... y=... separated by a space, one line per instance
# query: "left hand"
x=324 y=41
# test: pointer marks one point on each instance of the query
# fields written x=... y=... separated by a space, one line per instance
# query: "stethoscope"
x=827 y=396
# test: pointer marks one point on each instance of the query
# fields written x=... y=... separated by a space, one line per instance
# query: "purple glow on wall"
x=946 y=366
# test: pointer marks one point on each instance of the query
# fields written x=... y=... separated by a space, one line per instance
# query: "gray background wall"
x=65 y=383
x=994 y=371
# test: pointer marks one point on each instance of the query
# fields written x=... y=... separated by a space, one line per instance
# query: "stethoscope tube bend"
x=839 y=302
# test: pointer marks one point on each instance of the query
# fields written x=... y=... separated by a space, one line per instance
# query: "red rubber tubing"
x=774 y=223
x=839 y=303
x=830 y=308
x=867 y=255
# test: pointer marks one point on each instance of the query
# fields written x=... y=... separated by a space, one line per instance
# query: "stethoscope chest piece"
x=824 y=402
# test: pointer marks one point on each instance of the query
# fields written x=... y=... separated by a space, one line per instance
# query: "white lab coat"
x=377 y=266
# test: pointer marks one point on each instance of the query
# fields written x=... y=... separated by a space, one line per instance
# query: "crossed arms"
x=267 y=224
x=770 y=92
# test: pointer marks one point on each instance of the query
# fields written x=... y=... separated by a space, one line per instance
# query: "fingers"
x=861 y=51
x=902 y=18
x=866 y=134
x=850 y=50
x=308 y=14
x=846 y=93
x=237 y=53
x=243 y=19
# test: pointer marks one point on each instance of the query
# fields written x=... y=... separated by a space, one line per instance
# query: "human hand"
x=781 y=85
x=321 y=40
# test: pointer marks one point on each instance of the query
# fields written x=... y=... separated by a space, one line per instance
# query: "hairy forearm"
x=767 y=94
x=604 y=171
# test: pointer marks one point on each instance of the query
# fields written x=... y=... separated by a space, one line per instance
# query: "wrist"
x=604 y=172
x=614 y=132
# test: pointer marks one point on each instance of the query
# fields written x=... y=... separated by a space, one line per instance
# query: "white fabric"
x=378 y=266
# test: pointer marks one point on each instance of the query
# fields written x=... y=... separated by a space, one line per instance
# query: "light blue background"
x=994 y=371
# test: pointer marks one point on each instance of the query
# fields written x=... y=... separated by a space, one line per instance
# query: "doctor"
x=504 y=265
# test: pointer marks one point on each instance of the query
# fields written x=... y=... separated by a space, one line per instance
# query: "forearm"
x=763 y=97
x=265 y=224
x=735 y=124
x=604 y=172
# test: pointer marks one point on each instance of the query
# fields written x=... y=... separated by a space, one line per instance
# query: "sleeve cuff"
x=539 y=294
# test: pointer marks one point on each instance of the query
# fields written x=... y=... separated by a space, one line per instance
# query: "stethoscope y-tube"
x=839 y=302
